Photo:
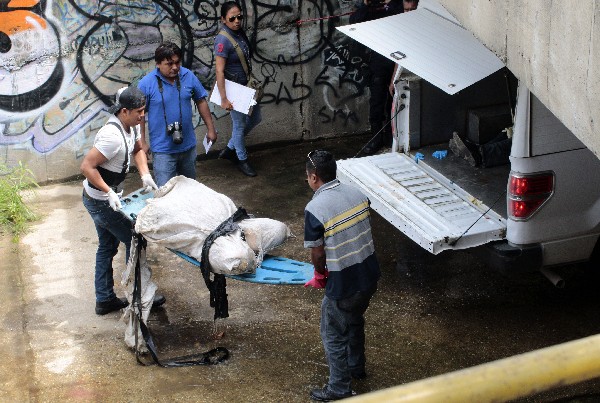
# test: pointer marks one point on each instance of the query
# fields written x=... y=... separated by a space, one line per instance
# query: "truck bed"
x=485 y=184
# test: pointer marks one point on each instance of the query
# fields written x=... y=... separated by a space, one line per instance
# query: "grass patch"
x=14 y=213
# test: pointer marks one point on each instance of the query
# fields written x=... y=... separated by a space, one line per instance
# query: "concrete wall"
x=551 y=46
x=62 y=61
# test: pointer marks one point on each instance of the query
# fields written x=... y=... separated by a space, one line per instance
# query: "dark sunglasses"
x=239 y=17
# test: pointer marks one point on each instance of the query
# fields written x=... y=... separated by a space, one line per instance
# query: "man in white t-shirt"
x=105 y=167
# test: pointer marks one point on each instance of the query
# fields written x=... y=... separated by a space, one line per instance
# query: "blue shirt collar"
x=182 y=72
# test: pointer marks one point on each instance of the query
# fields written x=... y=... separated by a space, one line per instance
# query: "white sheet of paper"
x=206 y=143
x=240 y=96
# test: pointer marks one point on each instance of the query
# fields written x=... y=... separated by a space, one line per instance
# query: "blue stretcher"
x=273 y=270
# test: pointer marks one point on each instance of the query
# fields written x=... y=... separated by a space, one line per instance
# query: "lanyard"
x=160 y=89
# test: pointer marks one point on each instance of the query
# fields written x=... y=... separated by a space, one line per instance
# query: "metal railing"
x=502 y=380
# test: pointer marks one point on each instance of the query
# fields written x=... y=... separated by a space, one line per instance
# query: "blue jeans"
x=242 y=125
x=167 y=166
x=343 y=336
x=112 y=228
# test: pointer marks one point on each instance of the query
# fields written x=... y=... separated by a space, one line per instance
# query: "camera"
x=174 y=130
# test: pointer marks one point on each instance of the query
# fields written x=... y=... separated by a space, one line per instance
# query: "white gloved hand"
x=113 y=200
x=148 y=183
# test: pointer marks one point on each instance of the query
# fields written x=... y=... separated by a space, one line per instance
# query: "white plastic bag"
x=264 y=234
x=184 y=212
x=230 y=254
x=148 y=289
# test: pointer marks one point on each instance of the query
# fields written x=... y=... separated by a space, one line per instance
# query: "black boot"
x=114 y=304
x=325 y=395
x=229 y=154
x=246 y=169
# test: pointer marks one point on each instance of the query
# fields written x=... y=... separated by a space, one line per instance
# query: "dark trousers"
x=112 y=228
x=343 y=336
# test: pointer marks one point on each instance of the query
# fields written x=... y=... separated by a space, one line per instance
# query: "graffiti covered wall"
x=62 y=61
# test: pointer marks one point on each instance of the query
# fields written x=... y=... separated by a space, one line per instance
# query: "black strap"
x=218 y=286
x=160 y=89
x=246 y=65
x=214 y=356
x=114 y=179
x=126 y=161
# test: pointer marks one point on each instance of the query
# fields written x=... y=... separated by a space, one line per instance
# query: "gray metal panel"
x=521 y=146
x=429 y=209
x=435 y=48
x=548 y=134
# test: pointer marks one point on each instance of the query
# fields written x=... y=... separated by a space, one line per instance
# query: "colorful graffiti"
x=61 y=61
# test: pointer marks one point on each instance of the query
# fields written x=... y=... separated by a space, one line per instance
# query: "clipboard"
x=241 y=97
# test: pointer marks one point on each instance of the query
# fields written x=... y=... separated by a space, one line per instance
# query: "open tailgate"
x=428 y=43
x=421 y=203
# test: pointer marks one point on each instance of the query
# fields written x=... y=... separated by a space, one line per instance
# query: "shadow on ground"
x=431 y=315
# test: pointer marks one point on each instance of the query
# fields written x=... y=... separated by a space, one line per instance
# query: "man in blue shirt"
x=337 y=229
x=169 y=89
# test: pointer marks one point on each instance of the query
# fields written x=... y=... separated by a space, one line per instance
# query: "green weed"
x=14 y=213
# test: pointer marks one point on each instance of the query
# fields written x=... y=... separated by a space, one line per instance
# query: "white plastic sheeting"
x=184 y=212
x=148 y=289
x=264 y=234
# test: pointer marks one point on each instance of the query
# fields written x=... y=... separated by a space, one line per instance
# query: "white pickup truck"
x=540 y=210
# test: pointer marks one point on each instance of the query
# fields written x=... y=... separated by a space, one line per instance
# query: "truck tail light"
x=527 y=193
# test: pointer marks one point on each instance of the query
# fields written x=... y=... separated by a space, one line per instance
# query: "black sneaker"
x=229 y=154
x=104 y=307
x=246 y=168
x=325 y=395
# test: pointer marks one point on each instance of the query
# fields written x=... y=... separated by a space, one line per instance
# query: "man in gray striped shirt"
x=337 y=229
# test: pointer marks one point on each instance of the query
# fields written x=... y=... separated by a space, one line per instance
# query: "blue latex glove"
x=440 y=154
x=419 y=156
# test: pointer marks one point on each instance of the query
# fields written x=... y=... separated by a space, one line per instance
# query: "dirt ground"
x=431 y=315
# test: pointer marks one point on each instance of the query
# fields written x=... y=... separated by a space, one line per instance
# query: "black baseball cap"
x=128 y=98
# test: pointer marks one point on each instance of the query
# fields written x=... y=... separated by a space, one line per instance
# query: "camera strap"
x=160 y=89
